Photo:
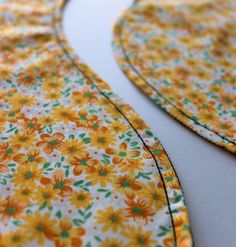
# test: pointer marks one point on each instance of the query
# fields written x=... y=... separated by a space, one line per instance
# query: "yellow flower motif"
x=47 y=120
x=137 y=237
x=33 y=157
x=5 y=72
x=19 y=101
x=40 y=227
x=122 y=153
x=27 y=175
x=111 y=219
x=15 y=239
x=80 y=199
x=118 y=127
x=102 y=138
x=73 y=147
x=112 y=242
x=45 y=194
x=24 y=193
x=196 y=96
x=138 y=122
x=49 y=86
x=208 y=117
x=69 y=235
x=154 y=194
x=100 y=174
x=64 y=114
x=26 y=140
x=131 y=165
x=52 y=96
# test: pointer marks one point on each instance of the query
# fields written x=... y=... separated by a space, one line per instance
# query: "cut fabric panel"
x=78 y=167
x=182 y=55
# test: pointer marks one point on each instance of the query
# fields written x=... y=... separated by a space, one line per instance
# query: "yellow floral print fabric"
x=78 y=167
x=182 y=55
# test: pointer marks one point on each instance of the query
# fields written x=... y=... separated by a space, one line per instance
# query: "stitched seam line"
x=67 y=53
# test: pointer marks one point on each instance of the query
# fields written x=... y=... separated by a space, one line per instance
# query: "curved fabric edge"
x=135 y=77
x=146 y=137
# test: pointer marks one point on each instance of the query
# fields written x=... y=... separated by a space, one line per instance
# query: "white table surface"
x=207 y=173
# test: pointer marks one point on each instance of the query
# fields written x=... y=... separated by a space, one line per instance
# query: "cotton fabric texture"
x=182 y=55
x=78 y=167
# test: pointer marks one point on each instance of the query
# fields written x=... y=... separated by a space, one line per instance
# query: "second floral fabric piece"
x=182 y=55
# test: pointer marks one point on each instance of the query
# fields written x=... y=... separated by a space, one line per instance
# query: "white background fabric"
x=207 y=173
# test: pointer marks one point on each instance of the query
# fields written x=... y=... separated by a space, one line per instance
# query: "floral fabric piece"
x=78 y=167
x=182 y=55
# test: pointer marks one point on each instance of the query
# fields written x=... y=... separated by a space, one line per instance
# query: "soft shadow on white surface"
x=207 y=173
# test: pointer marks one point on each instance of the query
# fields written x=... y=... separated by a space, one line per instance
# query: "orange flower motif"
x=26 y=78
x=69 y=235
x=81 y=162
x=126 y=184
x=84 y=97
x=123 y=153
x=86 y=120
x=30 y=125
x=10 y=208
x=6 y=95
x=225 y=127
x=138 y=122
x=139 y=210
x=157 y=150
x=59 y=182
x=8 y=151
x=4 y=168
x=171 y=179
x=228 y=100
x=14 y=115
x=51 y=142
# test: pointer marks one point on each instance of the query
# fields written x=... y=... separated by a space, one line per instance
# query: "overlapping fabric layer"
x=182 y=54
x=74 y=169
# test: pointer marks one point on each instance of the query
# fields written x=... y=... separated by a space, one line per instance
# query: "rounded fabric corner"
x=182 y=55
